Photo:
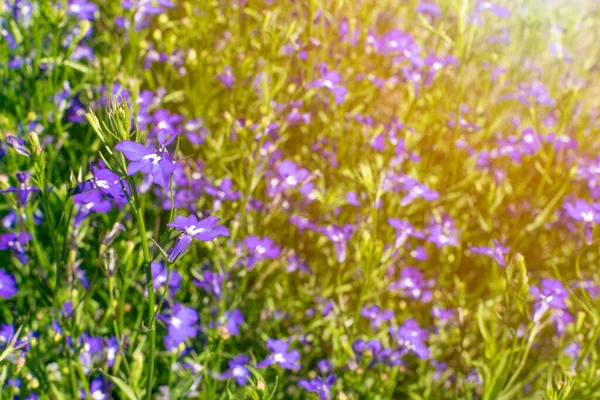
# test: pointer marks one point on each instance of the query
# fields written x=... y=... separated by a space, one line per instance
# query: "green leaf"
x=125 y=388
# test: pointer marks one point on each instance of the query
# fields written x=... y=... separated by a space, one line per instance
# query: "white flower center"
x=192 y=230
x=588 y=216
x=154 y=158
x=279 y=358
x=176 y=322
x=238 y=371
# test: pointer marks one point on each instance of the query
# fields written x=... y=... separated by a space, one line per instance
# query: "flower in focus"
x=156 y=162
x=204 y=230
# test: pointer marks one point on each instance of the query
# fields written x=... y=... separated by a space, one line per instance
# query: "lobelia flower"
x=16 y=243
x=231 y=322
x=352 y=199
x=8 y=285
x=91 y=350
x=108 y=183
x=428 y=8
x=238 y=370
x=82 y=9
x=160 y=274
x=18 y=145
x=324 y=366
x=223 y=192
x=260 y=249
x=296 y=264
x=280 y=355
x=332 y=81
x=88 y=202
x=97 y=390
x=376 y=316
x=412 y=284
x=22 y=191
x=112 y=349
x=404 y=230
x=211 y=282
x=560 y=319
x=550 y=294
x=339 y=236
x=322 y=387
x=204 y=230
x=496 y=252
x=181 y=325
x=412 y=338
x=579 y=210
x=226 y=77
x=444 y=234
x=156 y=162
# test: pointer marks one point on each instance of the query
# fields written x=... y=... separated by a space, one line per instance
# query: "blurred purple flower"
x=280 y=355
x=496 y=252
x=322 y=387
x=8 y=285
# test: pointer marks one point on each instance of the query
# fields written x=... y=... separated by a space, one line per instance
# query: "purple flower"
x=322 y=387
x=444 y=234
x=496 y=251
x=325 y=366
x=18 y=145
x=260 y=249
x=291 y=176
x=16 y=243
x=412 y=337
x=8 y=285
x=404 y=230
x=352 y=199
x=160 y=274
x=226 y=77
x=588 y=214
x=428 y=8
x=108 y=183
x=88 y=202
x=376 y=316
x=211 y=282
x=97 y=390
x=339 y=236
x=82 y=9
x=181 y=324
x=280 y=355
x=412 y=284
x=156 y=162
x=91 y=350
x=22 y=191
x=112 y=349
x=416 y=189
x=238 y=370
x=204 y=230
x=231 y=322
x=551 y=294
x=223 y=192
x=332 y=81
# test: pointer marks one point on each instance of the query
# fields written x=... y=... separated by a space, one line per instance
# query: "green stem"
x=151 y=298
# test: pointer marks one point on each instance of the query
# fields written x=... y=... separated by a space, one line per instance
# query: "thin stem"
x=151 y=297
